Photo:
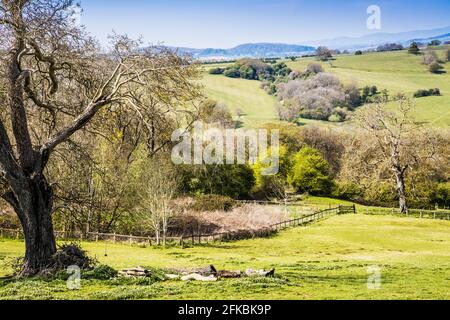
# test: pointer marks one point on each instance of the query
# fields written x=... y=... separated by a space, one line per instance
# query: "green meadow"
x=326 y=260
x=395 y=71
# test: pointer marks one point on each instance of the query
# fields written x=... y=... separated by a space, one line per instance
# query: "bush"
x=311 y=173
x=368 y=93
x=441 y=195
x=427 y=93
x=314 y=98
x=101 y=272
x=214 y=203
x=389 y=47
x=314 y=68
x=435 y=67
x=216 y=71
x=447 y=55
x=232 y=73
x=414 y=48
x=323 y=53
x=358 y=53
x=429 y=57
x=435 y=43
x=234 y=181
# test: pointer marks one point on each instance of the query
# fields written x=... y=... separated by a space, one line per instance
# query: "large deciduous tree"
x=53 y=82
x=397 y=142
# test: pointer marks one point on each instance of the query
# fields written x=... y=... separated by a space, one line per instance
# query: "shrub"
x=234 y=181
x=352 y=96
x=368 y=93
x=314 y=68
x=441 y=195
x=102 y=272
x=214 y=203
x=414 y=48
x=358 y=53
x=215 y=113
x=427 y=93
x=216 y=71
x=447 y=55
x=429 y=57
x=435 y=67
x=389 y=47
x=314 y=98
x=323 y=53
x=232 y=73
x=311 y=173
x=435 y=43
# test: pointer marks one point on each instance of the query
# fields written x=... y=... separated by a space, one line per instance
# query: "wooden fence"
x=412 y=213
x=267 y=231
x=193 y=238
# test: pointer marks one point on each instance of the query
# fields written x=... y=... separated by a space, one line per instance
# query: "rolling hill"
x=395 y=71
x=256 y=50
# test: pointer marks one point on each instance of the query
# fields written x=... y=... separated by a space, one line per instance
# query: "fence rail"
x=412 y=213
x=193 y=238
x=233 y=235
x=267 y=231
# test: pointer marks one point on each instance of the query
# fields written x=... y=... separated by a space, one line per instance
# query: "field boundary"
x=192 y=239
x=412 y=213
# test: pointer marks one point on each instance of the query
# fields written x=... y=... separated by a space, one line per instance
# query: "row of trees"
x=254 y=69
x=388 y=158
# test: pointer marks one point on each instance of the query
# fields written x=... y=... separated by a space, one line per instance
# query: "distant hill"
x=375 y=39
x=251 y=50
x=442 y=38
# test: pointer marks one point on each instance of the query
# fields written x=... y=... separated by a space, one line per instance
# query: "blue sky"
x=224 y=24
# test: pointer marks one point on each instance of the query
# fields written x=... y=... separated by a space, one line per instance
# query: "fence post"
x=129 y=239
x=114 y=238
x=17 y=234
x=434 y=215
x=96 y=238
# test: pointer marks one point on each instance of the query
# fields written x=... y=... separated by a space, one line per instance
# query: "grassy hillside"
x=327 y=260
x=395 y=71
x=258 y=106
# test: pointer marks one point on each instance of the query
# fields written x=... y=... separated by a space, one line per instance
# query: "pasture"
x=326 y=260
x=395 y=71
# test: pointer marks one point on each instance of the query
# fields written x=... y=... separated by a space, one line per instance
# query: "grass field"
x=258 y=106
x=327 y=260
x=395 y=71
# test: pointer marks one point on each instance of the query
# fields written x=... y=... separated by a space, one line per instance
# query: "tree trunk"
x=399 y=176
x=35 y=206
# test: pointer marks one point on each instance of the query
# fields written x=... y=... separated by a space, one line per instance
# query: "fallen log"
x=206 y=271
x=260 y=273
x=229 y=274
x=198 y=277
x=134 y=272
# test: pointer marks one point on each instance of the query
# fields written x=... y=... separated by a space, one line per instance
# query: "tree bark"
x=400 y=179
x=34 y=206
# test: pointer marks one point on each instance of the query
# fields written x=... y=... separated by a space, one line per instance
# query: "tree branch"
x=76 y=125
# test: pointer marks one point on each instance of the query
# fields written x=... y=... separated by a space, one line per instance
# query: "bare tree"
x=56 y=82
x=159 y=186
x=392 y=131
